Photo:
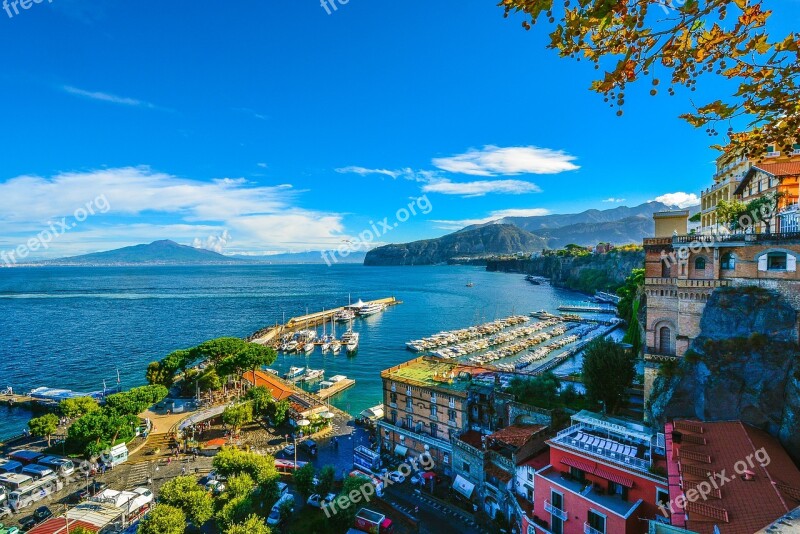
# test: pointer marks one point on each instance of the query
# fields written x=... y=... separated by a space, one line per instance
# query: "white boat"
x=344 y=316
x=313 y=374
x=350 y=340
x=308 y=348
x=295 y=372
x=336 y=346
x=272 y=371
x=291 y=346
x=371 y=309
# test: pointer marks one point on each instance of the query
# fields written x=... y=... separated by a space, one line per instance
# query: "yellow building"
x=731 y=170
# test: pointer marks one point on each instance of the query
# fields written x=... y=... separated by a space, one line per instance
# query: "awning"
x=586 y=467
x=399 y=450
x=613 y=477
x=427 y=475
x=463 y=486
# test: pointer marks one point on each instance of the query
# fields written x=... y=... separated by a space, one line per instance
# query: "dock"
x=587 y=309
x=272 y=334
x=335 y=389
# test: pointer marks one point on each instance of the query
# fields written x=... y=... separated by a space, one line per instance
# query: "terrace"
x=613 y=503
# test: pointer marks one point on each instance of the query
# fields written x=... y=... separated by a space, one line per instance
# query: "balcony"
x=556 y=512
x=656 y=281
x=701 y=283
x=588 y=492
x=734 y=239
x=655 y=241
x=660 y=352
x=587 y=529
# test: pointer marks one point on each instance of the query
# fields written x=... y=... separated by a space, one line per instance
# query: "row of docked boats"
x=303 y=374
x=501 y=338
x=443 y=339
x=511 y=350
x=305 y=341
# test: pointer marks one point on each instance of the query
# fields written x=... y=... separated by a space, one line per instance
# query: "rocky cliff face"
x=605 y=272
x=744 y=365
x=495 y=239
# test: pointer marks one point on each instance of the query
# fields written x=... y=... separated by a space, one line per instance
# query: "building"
x=682 y=271
x=605 y=476
x=727 y=478
x=425 y=405
x=767 y=179
x=731 y=169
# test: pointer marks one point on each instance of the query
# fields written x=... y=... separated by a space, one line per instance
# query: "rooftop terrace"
x=434 y=372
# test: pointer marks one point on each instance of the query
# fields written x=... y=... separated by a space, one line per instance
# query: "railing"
x=729 y=238
x=702 y=283
x=620 y=459
x=657 y=241
x=660 y=352
x=571 y=430
x=558 y=512
x=659 y=281
x=587 y=529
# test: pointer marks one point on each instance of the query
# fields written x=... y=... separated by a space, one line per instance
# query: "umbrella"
x=327 y=415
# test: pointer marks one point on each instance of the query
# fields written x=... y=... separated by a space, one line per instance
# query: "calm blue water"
x=75 y=327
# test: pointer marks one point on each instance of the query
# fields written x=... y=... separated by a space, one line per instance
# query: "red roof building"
x=602 y=478
x=727 y=477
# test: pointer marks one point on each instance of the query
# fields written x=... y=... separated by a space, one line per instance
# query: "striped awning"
x=587 y=467
x=613 y=477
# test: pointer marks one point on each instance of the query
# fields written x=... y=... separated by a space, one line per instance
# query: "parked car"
x=9 y=530
x=396 y=477
x=211 y=476
x=315 y=500
x=310 y=446
x=42 y=513
x=216 y=487
x=93 y=489
x=417 y=479
x=27 y=523
x=289 y=449
x=5 y=512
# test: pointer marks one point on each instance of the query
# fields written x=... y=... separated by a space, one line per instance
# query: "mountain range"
x=510 y=235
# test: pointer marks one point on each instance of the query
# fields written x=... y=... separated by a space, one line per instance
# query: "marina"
x=333 y=386
x=588 y=309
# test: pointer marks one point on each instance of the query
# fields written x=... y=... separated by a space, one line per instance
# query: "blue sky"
x=255 y=127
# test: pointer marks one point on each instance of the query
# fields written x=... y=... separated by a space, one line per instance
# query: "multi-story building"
x=727 y=477
x=730 y=172
x=681 y=272
x=772 y=178
x=605 y=476
x=426 y=405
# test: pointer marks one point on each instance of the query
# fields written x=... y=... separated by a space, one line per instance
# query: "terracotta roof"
x=473 y=438
x=57 y=525
x=791 y=168
x=740 y=506
x=516 y=435
x=279 y=389
x=498 y=473
x=540 y=461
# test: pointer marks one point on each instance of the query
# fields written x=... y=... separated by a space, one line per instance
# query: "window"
x=433 y=410
x=728 y=262
x=409 y=404
x=577 y=474
x=776 y=261
x=530 y=475
x=394 y=416
x=393 y=397
x=434 y=430
x=618 y=489
x=465 y=467
x=410 y=422
x=665 y=340
x=451 y=415
x=433 y=398
x=700 y=264
x=662 y=497
x=596 y=521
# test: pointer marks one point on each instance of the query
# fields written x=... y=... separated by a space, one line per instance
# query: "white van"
x=63 y=466
x=275 y=515
x=118 y=455
x=13 y=481
x=36 y=471
x=33 y=493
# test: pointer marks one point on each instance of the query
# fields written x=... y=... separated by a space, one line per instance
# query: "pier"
x=335 y=389
x=587 y=309
x=272 y=334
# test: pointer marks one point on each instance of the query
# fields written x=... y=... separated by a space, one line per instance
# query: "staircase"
x=161 y=442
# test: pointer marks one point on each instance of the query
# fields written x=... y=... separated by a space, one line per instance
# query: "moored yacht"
x=371 y=309
x=295 y=372
x=343 y=316
x=350 y=340
x=336 y=346
x=313 y=374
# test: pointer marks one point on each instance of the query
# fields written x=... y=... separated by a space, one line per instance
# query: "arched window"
x=700 y=264
x=665 y=340
x=728 y=261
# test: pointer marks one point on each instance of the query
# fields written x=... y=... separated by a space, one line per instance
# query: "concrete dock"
x=338 y=387
x=272 y=334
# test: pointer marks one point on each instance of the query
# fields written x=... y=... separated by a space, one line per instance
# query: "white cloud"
x=215 y=243
x=493 y=216
x=614 y=200
x=494 y=161
x=680 y=199
x=146 y=205
x=479 y=188
x=364 y=171
x=108 y=97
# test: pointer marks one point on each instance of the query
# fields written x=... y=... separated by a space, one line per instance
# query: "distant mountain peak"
x=161 y=252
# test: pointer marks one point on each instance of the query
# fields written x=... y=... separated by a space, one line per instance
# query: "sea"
x=89 y=328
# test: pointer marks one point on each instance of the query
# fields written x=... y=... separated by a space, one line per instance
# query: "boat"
x=343 y=316
x=350 y=339
x=470 y=284
x=295 y=372
x=272 y=371
x=370 y=309
x=309 y=346
x=336 y=346
x=291 y=346
x=313 y=374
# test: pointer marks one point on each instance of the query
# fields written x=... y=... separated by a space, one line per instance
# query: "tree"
x=608 y=371
x=327 y=476
x=261 y=398
x=280 y=411
x=158 y=374
x=163 y=519
x=539 y=391
x=345 y=517
x=184 y=493
x=304 y=479
x=230 y=461
x=235 y=510
x=730 y=212
x=254 y=356
x=136 y=400
x=44 y=426
x=78 y=406
x=238 y=416
x=632 y=40
x=252 y=525
x=239 y=485
x=628 y=307
x=219 y=349
x=80 y=530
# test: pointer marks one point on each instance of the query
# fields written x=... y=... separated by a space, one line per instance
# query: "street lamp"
x=301 y=423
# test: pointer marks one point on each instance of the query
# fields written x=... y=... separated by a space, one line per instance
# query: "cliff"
x=744 y=365
x=604 y=272
x=495 y=239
